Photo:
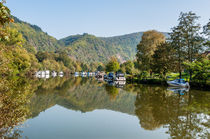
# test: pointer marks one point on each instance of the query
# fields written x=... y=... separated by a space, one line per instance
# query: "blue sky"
x=61 y=18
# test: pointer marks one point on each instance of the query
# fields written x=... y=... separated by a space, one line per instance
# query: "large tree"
x=178 y=46
x=113 y=65
x=163 y=59
x=146 y=48
x=190 y=35
x=206 y=31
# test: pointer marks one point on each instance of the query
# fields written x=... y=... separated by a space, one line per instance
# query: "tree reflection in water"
x=14 y=95
x=185 y=116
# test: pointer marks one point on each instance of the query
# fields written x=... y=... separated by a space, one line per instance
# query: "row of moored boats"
x=48 y=74
x=103 y=76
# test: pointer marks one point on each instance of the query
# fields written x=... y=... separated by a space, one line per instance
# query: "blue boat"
x=111 y=76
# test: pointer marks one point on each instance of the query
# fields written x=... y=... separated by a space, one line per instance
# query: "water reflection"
x=184 y=113
x=180 y=91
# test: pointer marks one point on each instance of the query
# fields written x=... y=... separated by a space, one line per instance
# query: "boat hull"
x=171 y=83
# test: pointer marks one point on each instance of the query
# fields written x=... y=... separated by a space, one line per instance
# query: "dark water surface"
x=81 y=108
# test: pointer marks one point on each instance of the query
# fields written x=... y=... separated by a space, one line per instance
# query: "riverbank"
x=193 y=85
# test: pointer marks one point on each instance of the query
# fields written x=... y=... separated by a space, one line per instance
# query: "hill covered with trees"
x=84 y=48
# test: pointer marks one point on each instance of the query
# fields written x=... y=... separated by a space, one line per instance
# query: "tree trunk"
x=180 y=74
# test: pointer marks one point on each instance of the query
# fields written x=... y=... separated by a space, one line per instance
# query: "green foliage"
x=186 y=39
x=13 y=37
x=128 y=67
x=200 y=70
x=35 y=37
x=5 y=16
x=87 y=48
x=113 y=65
x=100 y=68
x=90 y=49
x=163 y=59
x=206 y=31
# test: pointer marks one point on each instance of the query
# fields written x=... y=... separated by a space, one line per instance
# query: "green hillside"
x=35 y=37
x=89 y=48
x=126 y=42
x=85 y=48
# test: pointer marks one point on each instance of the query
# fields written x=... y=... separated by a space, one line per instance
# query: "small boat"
x=100 y=75
x=76 y=74
x=38 y=74
x=54 y=73
x=90 y=74
x=47 y=72
x=61 y=74
x=178 y=83
x=105 y=77
x=120 y=77
x=43 y=74
x=111 y=76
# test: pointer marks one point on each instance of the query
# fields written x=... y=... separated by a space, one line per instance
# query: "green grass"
x=174 y=76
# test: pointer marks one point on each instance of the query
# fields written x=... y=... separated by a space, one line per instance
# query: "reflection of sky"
x=60 y=123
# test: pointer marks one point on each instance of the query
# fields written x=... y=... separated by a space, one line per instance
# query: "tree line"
x=185 y=49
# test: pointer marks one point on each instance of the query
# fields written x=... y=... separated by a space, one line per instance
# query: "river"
x=84 y=108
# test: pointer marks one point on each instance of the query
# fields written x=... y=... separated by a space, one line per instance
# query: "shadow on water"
x=184 y=113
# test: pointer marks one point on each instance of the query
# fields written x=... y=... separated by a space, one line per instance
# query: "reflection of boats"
x=111 y=83
x=43 y=74
x=90 y=74
x=178 y=90
x=61 y=74
x=120 y=77
x=54 y=73
x=178 y=83
x=83 y=74
x=100 y=75
x=76 y=74
x=38 y=74
x=111 y=76
x=120 y=84
x=47 y=72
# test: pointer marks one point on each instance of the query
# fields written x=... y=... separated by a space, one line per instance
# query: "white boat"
x=120 y=77
x=47 y=72
x=42 y=74
x=178 y=83
x=38 y=74
x=76 y=74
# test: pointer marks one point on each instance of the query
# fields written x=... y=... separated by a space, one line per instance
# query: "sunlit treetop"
x=5 y=16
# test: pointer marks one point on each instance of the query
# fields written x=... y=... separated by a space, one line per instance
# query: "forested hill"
x=90 y=48
x=35 y=37
x=85 y=48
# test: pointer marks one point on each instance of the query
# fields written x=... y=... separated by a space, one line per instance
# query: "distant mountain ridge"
x=85 y=48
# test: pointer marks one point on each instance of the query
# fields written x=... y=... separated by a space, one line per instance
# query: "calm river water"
x=82 y=108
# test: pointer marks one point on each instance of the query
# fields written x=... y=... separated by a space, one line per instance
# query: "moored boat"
x=178 y=83
x=120 y=77
x=111 y=76
x=54 y=73
x=61 y=74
